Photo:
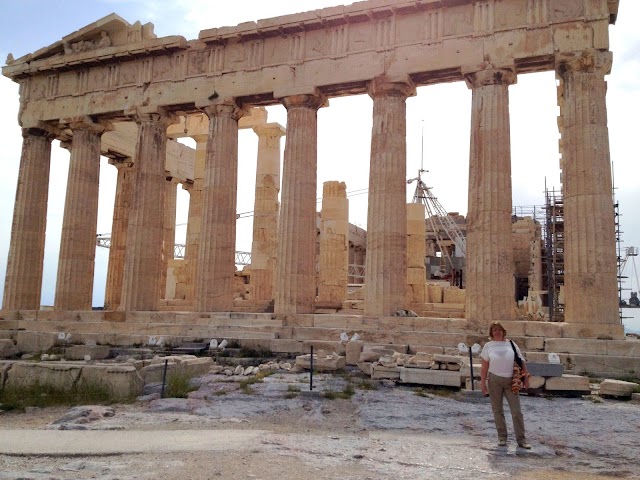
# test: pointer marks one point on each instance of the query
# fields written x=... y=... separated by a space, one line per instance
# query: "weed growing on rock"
x=178 y=385
x=46 y=395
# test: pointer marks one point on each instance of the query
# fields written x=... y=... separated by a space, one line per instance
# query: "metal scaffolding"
x=554 y=252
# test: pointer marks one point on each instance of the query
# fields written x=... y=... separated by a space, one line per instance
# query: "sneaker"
x=525 y=445
x=502 y=443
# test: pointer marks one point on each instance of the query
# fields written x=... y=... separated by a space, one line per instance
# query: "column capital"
x=386 y=86
x=49 y=134
x=587 y=61
x=224 y=108
x=152 y=115
x=270 y=130
x=314 y=100
x=84 y=122
x=490 y=76
x=122 y=162
x=187 y=185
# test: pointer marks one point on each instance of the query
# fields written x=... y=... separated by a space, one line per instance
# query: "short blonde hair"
x=494 y=325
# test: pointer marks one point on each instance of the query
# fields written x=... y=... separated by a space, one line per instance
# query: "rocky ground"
x=389 y=432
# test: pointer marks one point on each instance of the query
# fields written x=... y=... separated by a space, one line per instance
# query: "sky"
x=438 y=122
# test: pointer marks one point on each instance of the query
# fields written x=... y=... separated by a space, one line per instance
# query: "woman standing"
x=497 y=367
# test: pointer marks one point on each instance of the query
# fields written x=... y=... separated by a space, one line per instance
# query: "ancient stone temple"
x=113 y=79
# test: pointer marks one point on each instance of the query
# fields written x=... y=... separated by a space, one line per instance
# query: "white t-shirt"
x=500 y=357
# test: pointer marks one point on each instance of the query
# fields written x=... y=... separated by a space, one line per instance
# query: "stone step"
x=204 y=330
x=589 y=364
x=217 y=318
x=383 y=336
x=627 y=347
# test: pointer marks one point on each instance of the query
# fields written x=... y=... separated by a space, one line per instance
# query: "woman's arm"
x=483 y=376
x=523 y=369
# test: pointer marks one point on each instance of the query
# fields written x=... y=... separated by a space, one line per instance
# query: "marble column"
x=143 y=258
x=76 y=262
x=333 y=262
x=216 y=256
x=490 y=285
x=23 y=281
x=295 y=284
x=590 y=289
x=265 y=212
x=121 y=208
x=169 y=234
x=194 y=222
x=386 y=262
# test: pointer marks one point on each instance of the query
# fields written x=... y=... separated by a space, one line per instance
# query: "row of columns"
x=489 y=265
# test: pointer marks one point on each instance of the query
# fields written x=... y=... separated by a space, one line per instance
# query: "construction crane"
x=242 y=258
x=630 y=254
x=439 y=218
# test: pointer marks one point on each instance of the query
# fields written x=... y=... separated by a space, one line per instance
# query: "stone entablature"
x=338 y=50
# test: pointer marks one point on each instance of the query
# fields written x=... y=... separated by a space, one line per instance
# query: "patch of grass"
x=367 y=385
x=345 y=394
x=255 y=353
x=293 y=391
x=330 y=394
x=434 y=391
x=420 y=392
x=178 y=385
x=220 y=393
x=45 y=395
x=247 y=390
x=245 y=385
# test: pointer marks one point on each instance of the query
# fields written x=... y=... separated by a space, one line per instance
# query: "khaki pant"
x=500 y=387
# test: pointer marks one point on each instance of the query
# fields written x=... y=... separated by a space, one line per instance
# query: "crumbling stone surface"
x=7 y=348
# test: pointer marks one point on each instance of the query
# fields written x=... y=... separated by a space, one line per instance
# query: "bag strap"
x=516 y=357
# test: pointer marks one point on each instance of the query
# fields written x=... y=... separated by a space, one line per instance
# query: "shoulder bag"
x=517 y=380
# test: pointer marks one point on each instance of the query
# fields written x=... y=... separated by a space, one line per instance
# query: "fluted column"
x=216 y=256
x=23 y=281
x=121 y=208
x=490 y=287
x=296 y=263
x=194 y=222
x=76 y=262
x=386 y=263
x=590 y=292
x=143 y=258
x=169 y=234
x=333 y=263
x=265 y=212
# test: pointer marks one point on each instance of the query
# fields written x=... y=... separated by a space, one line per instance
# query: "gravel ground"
x=392 y=432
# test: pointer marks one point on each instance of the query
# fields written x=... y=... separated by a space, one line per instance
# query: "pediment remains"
x=111 y=31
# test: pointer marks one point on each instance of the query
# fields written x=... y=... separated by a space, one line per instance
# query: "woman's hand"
x=485 y=392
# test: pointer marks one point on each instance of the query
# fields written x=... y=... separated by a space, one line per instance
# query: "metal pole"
x=311 y=372
x=164 y=377
x=473 y=383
